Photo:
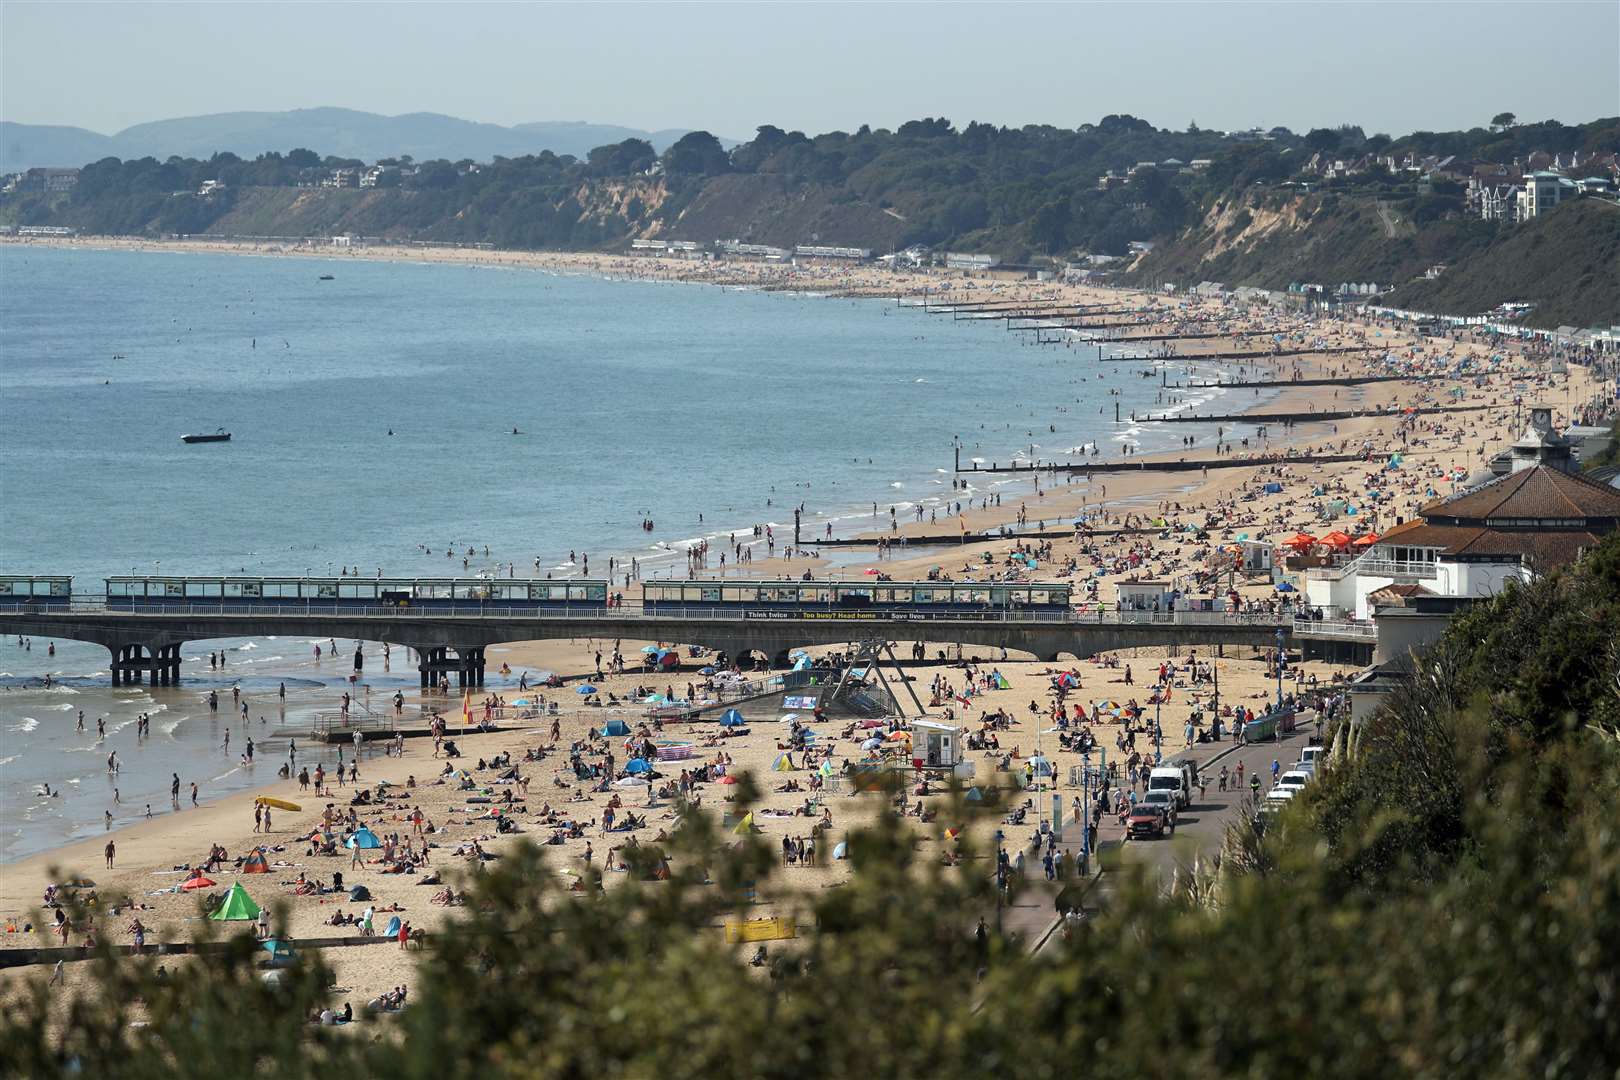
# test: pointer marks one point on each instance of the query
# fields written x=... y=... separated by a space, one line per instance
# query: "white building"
x=1542 y=191
x=1539 y=516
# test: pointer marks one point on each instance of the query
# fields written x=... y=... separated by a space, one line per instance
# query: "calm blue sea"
x=372 y=416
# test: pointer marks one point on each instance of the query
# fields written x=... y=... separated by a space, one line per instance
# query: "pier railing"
x=667 y=614
x=1338 y=629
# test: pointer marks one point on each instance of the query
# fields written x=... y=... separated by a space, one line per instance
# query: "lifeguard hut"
x=938 y=745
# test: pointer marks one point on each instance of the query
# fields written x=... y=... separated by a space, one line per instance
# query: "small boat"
x=325 y=277
x=219 y=436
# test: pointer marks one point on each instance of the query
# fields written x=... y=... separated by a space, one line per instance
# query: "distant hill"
x=1566 y=263
x=340 y=132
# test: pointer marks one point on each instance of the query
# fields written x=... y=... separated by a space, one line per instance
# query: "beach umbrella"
x=871 y=744
x=1336 y=539
x=585 y=690
x=199 y=882
x=727 y=780
x=899 y=736
x=237 y=906
x=732 y=718
x=1367 y=540
x=1299 y=540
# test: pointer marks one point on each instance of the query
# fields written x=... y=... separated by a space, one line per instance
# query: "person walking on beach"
x=194 y=794
x=258 y=816
x=174 y=791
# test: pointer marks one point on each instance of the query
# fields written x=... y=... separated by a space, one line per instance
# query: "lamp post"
x=1158 y=733
x=1279 y=668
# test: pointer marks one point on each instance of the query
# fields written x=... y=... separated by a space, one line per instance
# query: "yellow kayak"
x=279 y=804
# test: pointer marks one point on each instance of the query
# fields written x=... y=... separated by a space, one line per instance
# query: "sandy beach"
x=549 y=799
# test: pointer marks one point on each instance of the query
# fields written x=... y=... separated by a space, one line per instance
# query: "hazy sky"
x=1392 y=67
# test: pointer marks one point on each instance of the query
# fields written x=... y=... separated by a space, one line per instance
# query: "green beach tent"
x=237 y=906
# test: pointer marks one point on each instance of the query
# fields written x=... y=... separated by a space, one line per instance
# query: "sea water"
x=401 y=411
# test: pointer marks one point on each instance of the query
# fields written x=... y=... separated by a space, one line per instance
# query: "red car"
x=1145 y=821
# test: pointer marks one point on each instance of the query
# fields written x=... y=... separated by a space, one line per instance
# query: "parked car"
x=1145 y=821
x=1314 y=755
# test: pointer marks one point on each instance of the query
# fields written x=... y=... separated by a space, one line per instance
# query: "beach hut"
x=237 y=906
x=732 y=718
x=615 y=727
x=363 y=838
x=255 y=863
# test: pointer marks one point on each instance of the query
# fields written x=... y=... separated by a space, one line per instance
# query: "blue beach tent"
x=732 y=718
x=638 y=765
x=615 y=727
x=364 y=838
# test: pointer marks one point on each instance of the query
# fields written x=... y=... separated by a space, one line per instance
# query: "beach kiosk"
x=1145 y=595
x=936 y=745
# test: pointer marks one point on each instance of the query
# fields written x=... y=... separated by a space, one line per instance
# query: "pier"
x=455 y=638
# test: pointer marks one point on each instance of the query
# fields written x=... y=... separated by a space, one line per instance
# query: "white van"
x=1314 y=756
x=1171 y=778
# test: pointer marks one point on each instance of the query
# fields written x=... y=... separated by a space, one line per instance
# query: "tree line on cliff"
x=1440 y=903
x=1017 y=192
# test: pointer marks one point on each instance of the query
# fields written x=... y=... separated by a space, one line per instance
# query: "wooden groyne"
x=1307 y=417
x=1183 y=465
x=901 y=540
x=1351 y=380
x=1240 y=354
x=10 y=958
x=1135 y=337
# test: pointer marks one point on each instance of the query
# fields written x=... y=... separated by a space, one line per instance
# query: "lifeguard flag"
x=466 y=711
